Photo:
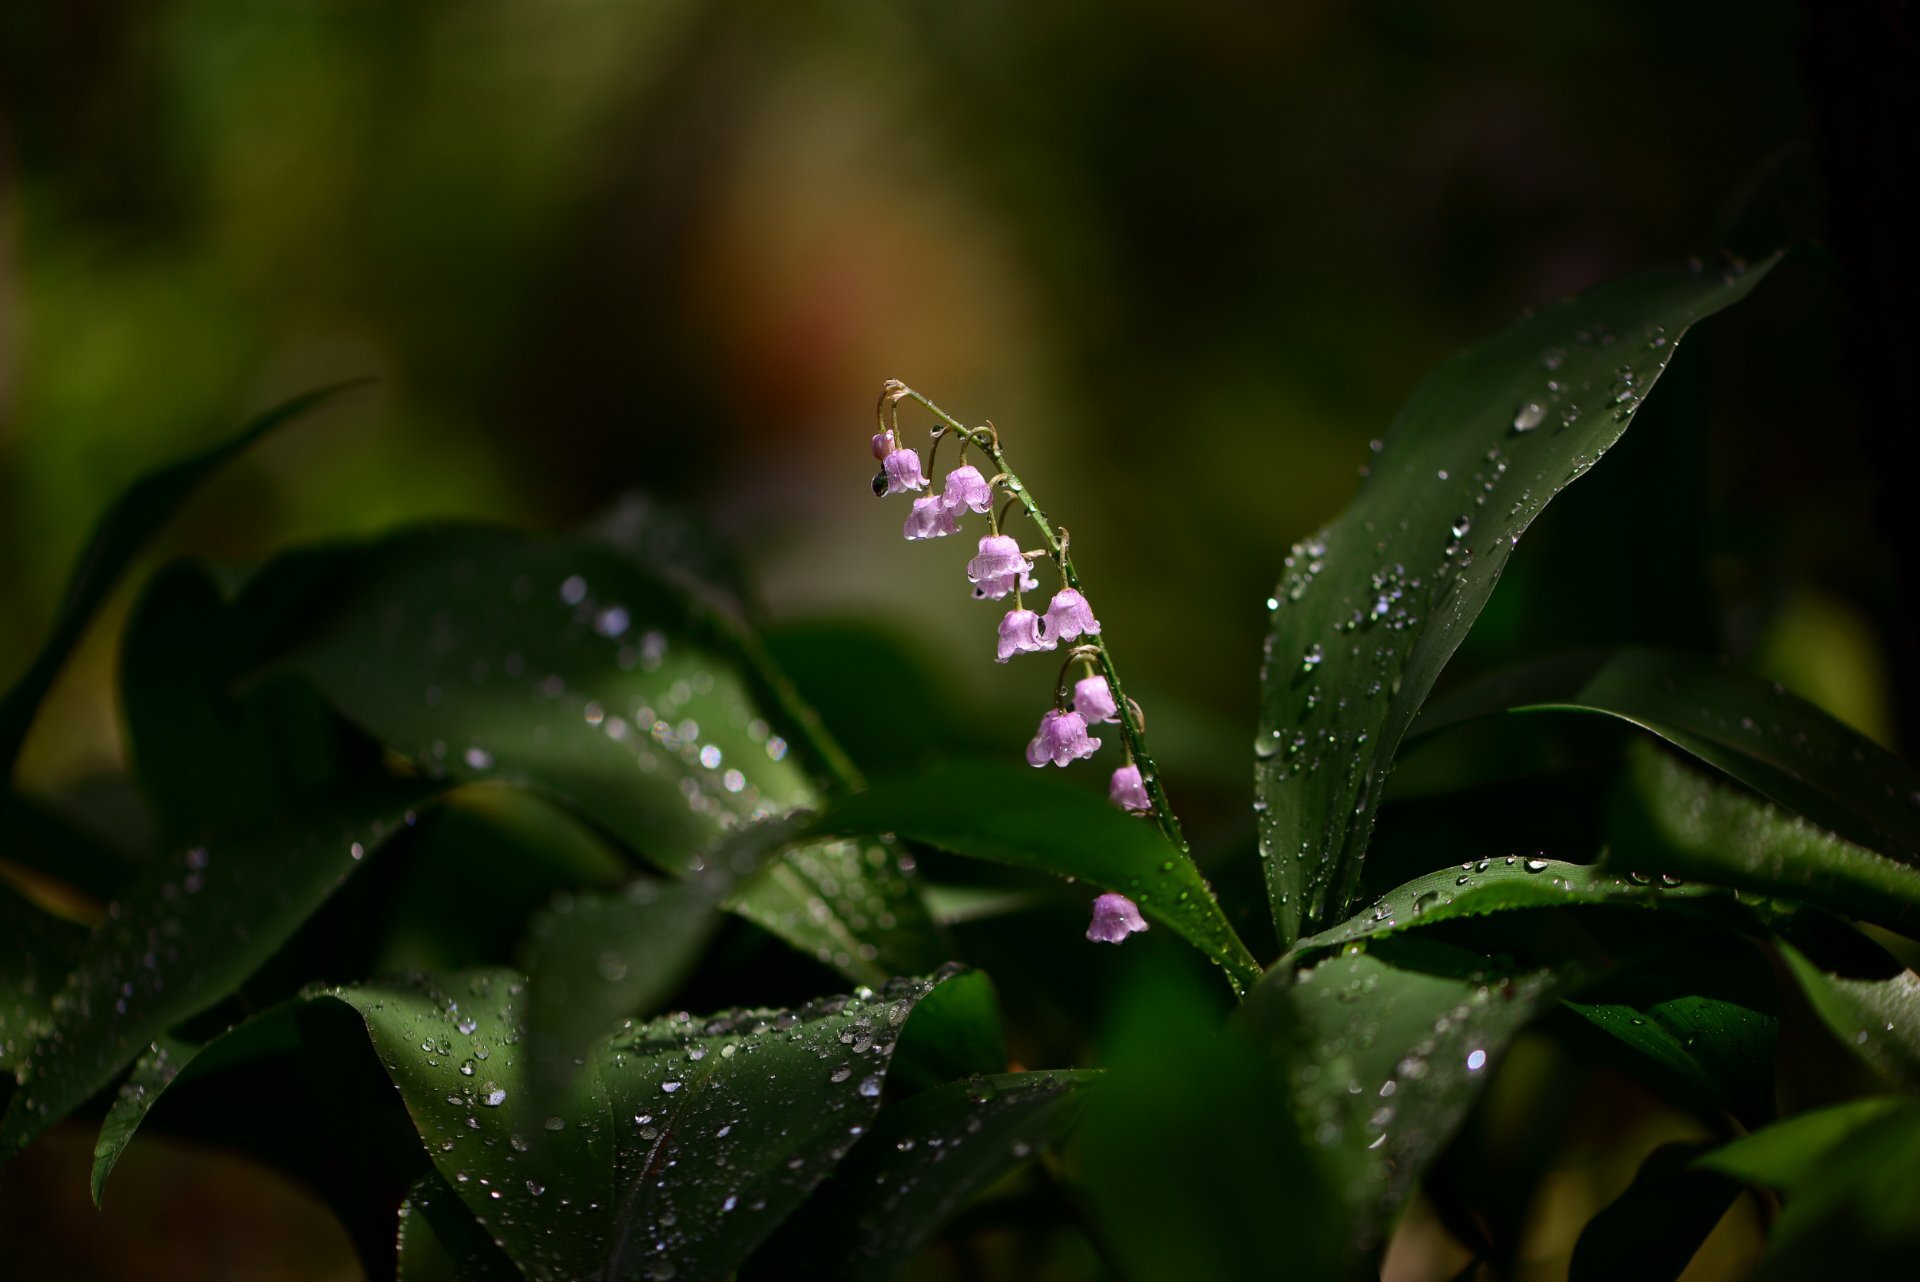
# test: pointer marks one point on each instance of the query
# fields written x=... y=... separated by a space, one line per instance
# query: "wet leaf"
x=1370 y=608
x=1014 y=815
x=1772 y=741
x=441 y=1242
x=1703 y=830
x=565 y=667
x=122 y=531
x=925 y=1159
x=688 y=1141
x=187 y=932
x=1878 y=1017
x=1390 y=1048
x=40 y=949
x=1506 y=884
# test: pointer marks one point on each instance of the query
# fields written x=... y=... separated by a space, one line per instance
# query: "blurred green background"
x=1189 y=257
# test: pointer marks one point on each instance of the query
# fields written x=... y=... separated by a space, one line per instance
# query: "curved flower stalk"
x=1001 y=569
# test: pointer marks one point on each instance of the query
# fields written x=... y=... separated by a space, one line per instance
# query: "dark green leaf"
x=955 y=1033
x=441 y=1242
x=1393 y=1045
x=1190 y=1154
x=184 y=935
x=1018 y=816
x=122 y=531
x=1774 y=742
x=1788 y=1153
x=40 y=949
x=1707 y=831
x=1878 y=1018
x=564 y=667
x=923 y=1160
x=1703 y=1017
x=1370 y=609
x=1499 y=885
x=1652 y=1231
x=687 y=1141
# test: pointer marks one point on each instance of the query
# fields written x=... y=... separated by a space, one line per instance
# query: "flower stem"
x=1131 y=730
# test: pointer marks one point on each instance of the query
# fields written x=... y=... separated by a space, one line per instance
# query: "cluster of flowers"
x=1002 y=569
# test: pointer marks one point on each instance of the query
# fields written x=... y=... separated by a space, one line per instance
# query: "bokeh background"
x=1189 y=257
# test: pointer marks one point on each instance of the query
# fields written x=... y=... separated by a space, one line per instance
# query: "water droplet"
x=492 y=1095
x=1311 y=659
x=1529 y=416
x=1536 y=865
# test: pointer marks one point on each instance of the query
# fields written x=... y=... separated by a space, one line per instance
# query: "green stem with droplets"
x=1131 y=731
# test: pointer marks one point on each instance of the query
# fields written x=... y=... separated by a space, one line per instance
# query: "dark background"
x=1189 y=257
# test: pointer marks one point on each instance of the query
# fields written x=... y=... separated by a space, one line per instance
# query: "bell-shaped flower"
x=967 y=488
x=1127 y=791
x=1093 y=698
x=928 y=520
x=1020 y=632
x=1070 y=617
x=1114 y=918
x=1063 y=737
x=999 y=569
x=903 y=471
x=882 y=444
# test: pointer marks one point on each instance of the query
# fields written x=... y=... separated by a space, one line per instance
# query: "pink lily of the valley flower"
x=882 y=444
x=902 y=470
x=1000 y=568
x=1070 y=617
x=1093 y=700
x=1062 y=738
x=930 y=520
x=1127 y=791
x=1114 y=918
x=967 y=488
x=1020 y=633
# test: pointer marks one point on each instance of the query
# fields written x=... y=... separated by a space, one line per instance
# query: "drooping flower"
x=1114 y=918
x=1127 y=791
x=929 y=520
x=999 y=569
x=967 y=488
x=903 y=471
x=882 y=444
x=1020 y=632
x=1069 y=616
x=1063 y=737
x=1093 y=698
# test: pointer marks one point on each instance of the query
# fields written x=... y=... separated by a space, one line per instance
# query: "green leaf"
x=563 y=666
x=1653 y=1230
x=186 y=933
x=924 y=1159
x=1789 y=1152
x=1392 y=1047
x=1506 y=884
x=955 y=1033
x=1707 y=831
x=688 y=1142
x=1703 y=1016
x=1017 y=816
x=1772 y=741
x=1190 y=1157
x=594 y=959
x=1370 y=609
x=41 y=948
x=1878 y=1018
x=441 y=1242
x=127 y=525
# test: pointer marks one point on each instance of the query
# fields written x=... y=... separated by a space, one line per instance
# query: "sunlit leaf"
x=1772 y=741
x=1015 y=815
x=1370 y=608
x=184 y=935
x=562 y=666
x=1700 y=829
x=923 y=1160
x=1506 y=884
x=121 y=532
